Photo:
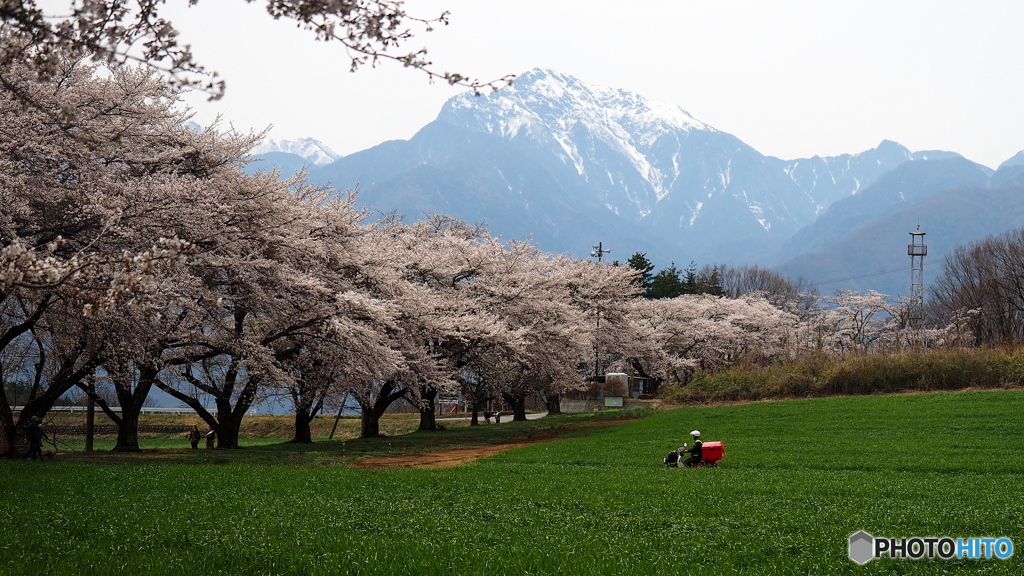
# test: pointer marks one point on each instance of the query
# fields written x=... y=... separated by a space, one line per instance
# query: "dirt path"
x=443 y=459
x=457 y=456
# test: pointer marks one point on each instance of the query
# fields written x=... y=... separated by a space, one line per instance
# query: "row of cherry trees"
x=136 y=252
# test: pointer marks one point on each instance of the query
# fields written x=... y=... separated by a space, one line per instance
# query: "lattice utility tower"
x=917 y=251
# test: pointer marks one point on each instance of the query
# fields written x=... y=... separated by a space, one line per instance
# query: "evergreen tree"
x=639 y=261
x=690 y=283
x=667 y=284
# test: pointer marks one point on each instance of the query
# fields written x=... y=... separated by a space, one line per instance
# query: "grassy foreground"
x=798 y=479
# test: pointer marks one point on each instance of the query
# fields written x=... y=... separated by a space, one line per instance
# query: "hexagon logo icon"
x=862 y=547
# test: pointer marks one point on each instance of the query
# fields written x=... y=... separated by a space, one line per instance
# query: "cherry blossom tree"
x=530 y=292
x=439 y=267
x=707 y=333
x=68 y=244
x=552 y=304
x=272 y=285
x=435 y=261
x=602 y=295
x=473 y=311
x=853 y=321
x=350 y=347
x=143 y=339
x=269 y=267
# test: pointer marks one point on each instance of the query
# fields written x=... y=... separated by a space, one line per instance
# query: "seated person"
x=696 y=451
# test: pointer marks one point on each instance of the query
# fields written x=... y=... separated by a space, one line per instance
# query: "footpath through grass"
x=396 y=440
x=799 y=477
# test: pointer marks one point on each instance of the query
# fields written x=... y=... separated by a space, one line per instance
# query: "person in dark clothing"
x=211 y=437
x=672 y=460
x=696 y=452
x=193 y=436
x=35 y=435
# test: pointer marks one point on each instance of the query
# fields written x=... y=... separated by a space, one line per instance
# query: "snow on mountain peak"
x=556 y=109
x=310 y=149
x=542 y=99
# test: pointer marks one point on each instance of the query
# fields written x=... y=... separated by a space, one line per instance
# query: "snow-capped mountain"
x=569 y=164
x=643 y=160
x=552 y=110
x=309 y=149
x=655 y=163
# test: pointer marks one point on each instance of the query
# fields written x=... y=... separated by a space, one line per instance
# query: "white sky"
x=792 y=78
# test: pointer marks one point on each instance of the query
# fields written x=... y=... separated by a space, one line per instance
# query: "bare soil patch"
x=444 y=458
x=457 y=456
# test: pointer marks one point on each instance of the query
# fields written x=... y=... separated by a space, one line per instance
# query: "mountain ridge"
x=569 y=164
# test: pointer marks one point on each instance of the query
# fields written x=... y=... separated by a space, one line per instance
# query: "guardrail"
x=145 y=410
x=110 y=429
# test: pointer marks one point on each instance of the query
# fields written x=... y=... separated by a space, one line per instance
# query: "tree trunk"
x=553 y=403
x=228 y=432
x=66 y=377
x=428 y=421
x=477 y=407
x=303 y=434
x=639 y=368
x=94 y=400
x=308 y=402
x=128 y=431
x=131 y=407
x=518 y=404
x=476 y=393
x=371 y=413
x=90 y=419
x=229 y=419
x=10 y=440
x=369 y=425
x=10 y=437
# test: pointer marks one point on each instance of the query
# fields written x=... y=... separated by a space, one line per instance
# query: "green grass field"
x=799 y=477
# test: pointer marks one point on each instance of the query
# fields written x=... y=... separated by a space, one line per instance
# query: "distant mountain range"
x=300 y=152
x=570 y=164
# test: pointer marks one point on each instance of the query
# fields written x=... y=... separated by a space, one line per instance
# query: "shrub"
x=858 y=374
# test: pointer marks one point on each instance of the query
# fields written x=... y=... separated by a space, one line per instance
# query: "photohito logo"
x=864 y=547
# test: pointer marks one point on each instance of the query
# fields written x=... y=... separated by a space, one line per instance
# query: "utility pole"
x=90 y=412
x=599 y=251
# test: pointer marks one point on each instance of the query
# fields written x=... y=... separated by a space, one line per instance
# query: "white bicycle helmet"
x=695 y=433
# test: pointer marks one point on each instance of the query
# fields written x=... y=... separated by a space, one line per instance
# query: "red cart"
x=710 y=454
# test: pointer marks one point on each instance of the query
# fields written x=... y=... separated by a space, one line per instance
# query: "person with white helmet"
x=696 y=452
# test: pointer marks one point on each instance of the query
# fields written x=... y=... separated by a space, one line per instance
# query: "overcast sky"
x=790 y=78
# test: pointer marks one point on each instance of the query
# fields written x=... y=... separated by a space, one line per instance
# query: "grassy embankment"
x=799 y=477
x=857 y=374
